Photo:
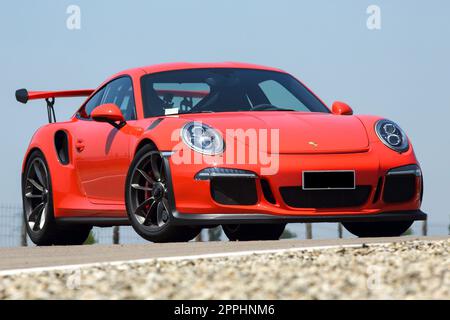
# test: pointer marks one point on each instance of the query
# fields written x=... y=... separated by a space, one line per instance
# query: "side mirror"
x=109 y=113
x=341 y=108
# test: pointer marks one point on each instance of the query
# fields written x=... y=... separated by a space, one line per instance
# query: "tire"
x=147 y=202
x=38 y=211
x=251 y=232
x=378 y=229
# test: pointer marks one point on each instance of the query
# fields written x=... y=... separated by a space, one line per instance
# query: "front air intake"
x=399 y=188
x=296 y=197
x=234 y=191
x=401 y=184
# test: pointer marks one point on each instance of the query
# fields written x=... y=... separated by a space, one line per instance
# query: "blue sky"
x=401 y=72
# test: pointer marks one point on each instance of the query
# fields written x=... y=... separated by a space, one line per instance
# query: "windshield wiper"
x=275 y=109
x=268 y=107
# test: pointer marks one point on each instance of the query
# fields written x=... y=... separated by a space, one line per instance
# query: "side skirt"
x=94 y=221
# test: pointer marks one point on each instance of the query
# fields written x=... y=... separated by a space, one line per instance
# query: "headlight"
x=202 y=138
x=392 y=135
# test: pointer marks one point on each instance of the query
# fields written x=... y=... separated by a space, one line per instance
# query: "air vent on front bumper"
x=234 y=191
x=401 y=184
x=296 y=197
x=399 y=188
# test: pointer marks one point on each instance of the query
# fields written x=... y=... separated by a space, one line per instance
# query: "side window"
x=120 y=92
x=93 y=102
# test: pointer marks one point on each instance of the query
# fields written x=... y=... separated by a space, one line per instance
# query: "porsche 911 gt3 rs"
x=174 y=148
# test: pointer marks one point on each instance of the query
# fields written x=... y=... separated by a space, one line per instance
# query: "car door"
x=101 y=151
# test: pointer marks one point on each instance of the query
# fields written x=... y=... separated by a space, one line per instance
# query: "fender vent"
x=62 y=147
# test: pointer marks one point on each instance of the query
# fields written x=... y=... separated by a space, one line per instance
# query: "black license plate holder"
x=329 y=180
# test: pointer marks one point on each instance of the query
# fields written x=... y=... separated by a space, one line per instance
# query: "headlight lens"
x=392 y=135
x=202 y=138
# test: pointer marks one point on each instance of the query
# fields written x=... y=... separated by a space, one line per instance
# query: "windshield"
x=225 y=90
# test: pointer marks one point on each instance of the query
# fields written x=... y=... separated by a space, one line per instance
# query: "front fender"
x=163 y=132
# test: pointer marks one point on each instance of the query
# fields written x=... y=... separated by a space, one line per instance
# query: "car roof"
x=192 y=65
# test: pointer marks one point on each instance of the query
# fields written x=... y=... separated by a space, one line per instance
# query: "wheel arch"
x=44 y=140
x=144 y=142
x=27 y=157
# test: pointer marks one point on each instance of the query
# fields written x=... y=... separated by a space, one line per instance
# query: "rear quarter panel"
x=67 y=192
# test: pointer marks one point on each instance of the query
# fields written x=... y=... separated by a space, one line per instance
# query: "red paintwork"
x=341 y=108
x=92 y=184
x=107 y=111
x=33 y=95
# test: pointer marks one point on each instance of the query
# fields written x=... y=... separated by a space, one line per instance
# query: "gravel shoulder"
x=400 y=270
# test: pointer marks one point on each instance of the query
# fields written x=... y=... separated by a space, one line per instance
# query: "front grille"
x=399 y=188
x=234 y=191
x=296 y=197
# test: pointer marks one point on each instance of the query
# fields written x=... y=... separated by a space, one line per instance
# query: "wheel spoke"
x=149 y=215
x=43 y=216
x=39 y=174
x=40 y=219
x=146 y=176
x=30 y=195
x=139 y=187
x=37 y=222
x=33 y=215
x=142 y=206
x=36 y=185
x=155 y=168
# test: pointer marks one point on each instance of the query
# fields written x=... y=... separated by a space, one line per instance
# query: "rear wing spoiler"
x=23 y=96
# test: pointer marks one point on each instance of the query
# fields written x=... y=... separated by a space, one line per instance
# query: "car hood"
x=299 y=132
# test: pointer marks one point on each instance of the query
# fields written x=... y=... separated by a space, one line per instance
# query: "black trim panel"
x=22 y=95
x=95 y=221
x=227 y=218
x=154 y=124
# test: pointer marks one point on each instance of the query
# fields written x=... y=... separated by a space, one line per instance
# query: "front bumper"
x=193 y=202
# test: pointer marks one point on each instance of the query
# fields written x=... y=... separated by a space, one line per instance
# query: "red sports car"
x=174 y=148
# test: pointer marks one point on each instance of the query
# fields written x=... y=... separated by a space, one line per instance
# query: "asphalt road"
x=32 y=257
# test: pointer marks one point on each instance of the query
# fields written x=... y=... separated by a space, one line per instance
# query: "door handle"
x=79 y=145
